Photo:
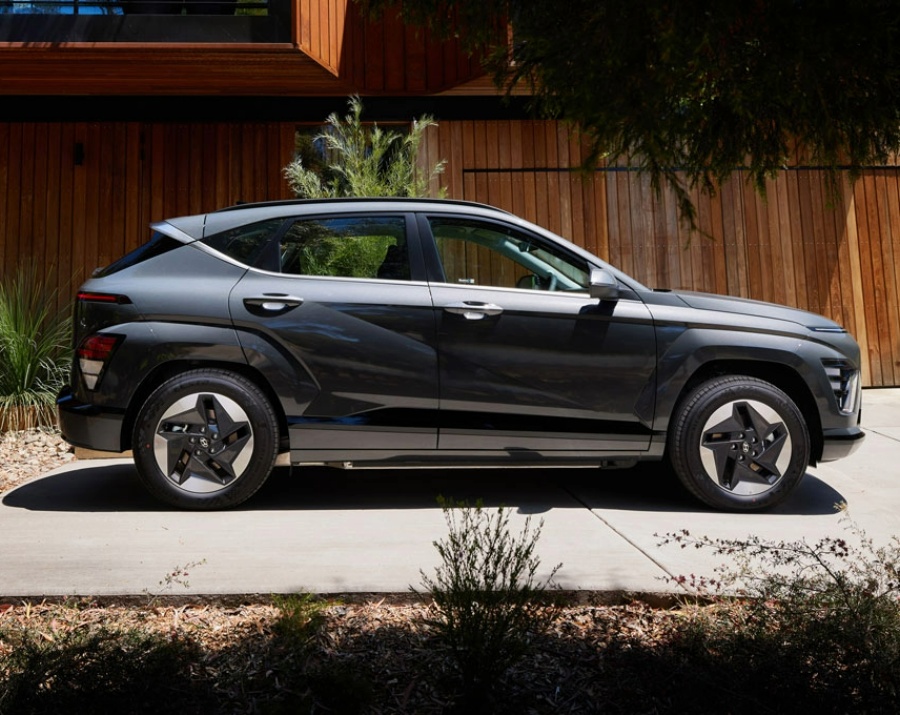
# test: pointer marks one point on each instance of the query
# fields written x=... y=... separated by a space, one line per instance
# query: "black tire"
x=739 y=443
x=205 y=439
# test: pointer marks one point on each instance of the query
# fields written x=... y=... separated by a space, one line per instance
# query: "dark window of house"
x=136 y=7
x=315 y=154
x=146 y=21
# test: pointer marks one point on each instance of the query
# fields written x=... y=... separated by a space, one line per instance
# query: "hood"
x=758 y=308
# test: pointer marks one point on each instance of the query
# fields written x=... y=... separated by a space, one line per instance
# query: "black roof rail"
x=360 y=199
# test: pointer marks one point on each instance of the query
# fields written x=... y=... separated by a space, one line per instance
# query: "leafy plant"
x=300 y=618
x=34 y=351
x=488 y=599
x=364 y=160
x=822 y=618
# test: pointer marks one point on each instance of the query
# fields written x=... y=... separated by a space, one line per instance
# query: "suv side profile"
x=411 y=332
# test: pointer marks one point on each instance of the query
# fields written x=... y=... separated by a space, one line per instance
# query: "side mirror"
x=604 y=285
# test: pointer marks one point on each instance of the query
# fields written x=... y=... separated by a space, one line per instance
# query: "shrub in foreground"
x=811 y=623
x=487 y=598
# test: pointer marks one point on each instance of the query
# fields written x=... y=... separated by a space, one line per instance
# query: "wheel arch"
x=170 y=369
x=782 y=376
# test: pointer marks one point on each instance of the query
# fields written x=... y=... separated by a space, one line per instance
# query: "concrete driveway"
x=90 y=529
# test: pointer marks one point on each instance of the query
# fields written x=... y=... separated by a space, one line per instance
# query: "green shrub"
x=34 y=352
x=300 y=619
x=363 y=160
x=488 y=600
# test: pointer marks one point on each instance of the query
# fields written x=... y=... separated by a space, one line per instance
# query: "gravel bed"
x=27 y=454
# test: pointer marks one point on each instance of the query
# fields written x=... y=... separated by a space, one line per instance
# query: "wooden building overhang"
x=328 y=50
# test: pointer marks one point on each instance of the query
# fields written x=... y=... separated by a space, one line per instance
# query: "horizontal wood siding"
x=803 y=246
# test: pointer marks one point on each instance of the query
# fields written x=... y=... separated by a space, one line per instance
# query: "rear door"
x=343 y=298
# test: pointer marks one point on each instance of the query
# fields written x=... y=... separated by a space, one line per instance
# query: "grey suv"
x=379 y=333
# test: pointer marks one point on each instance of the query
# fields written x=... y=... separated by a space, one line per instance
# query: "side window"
x=492 y=255
x=244 y=243
x=356 y=247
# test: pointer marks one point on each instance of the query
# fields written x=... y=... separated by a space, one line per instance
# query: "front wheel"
x=205 y=439
x=739 y=443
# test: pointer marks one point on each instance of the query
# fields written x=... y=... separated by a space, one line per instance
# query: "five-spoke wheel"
x=205 y=439
x=739 y=443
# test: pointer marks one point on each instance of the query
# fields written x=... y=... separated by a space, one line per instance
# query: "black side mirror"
x=604 y=285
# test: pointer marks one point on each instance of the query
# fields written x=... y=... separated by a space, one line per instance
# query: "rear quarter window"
x=158 y=244
x=244 y=243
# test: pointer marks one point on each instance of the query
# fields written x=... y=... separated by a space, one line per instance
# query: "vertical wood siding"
x=383 y=56
x=803 y=246
x=68 y=219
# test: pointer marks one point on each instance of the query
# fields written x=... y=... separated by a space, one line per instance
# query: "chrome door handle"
x=473 y=309
x=273 y=302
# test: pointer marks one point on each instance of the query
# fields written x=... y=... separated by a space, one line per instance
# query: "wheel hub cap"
x=745 y=447
x=203 y=442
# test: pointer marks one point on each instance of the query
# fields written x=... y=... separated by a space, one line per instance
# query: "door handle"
x=473 y=309
x=273 y=302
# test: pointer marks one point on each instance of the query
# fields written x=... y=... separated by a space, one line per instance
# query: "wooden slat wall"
x=334 y=52
x=161 y=69
x=391 y=58
x=837 y=255
x=68 y=219
x=801 y=246
x=319 y=29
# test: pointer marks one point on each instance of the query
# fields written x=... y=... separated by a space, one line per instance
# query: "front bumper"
x=85 y=425
x=840 y=443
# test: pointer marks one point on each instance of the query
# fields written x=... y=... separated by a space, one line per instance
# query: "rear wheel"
x=206 y=439
x=739 y=443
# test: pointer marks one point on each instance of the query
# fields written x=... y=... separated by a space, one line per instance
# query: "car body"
x=416 y=333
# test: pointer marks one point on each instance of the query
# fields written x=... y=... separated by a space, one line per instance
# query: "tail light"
x=91 y=297
x=93 y=354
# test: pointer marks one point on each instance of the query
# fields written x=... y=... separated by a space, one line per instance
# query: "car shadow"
x=653 y=486
x=114 y=487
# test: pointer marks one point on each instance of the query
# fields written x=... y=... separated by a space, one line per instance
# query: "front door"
x=529 y=362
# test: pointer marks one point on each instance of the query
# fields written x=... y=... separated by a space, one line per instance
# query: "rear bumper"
x=84 y=425
x=840 y=443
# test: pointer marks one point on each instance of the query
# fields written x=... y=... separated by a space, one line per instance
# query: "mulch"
x=384 y=641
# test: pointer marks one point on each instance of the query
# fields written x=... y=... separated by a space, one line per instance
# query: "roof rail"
x=360 y=199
